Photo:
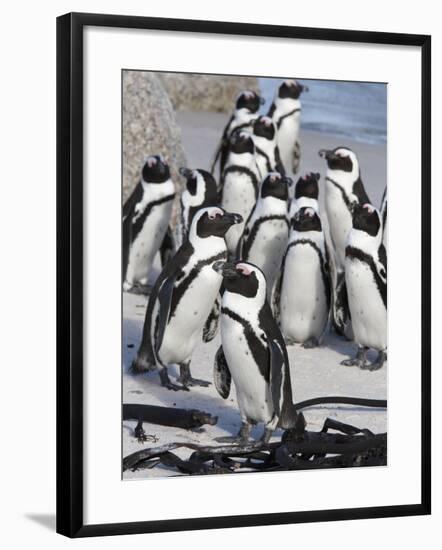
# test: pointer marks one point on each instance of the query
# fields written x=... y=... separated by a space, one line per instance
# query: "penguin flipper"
x=211 y=325
x=221 y=374
x=168 y=247
x=280 y=386
x=165 y=300
x=128 y=211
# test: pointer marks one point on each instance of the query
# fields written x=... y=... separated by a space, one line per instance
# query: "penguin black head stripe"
x=264 y=127
x=340 y=158
x=249 y=100
x=307 y=186
x=193 y=176
x=242 y=142
x=155 y=169
x=239 y=278
x=291 y=88
x=366 y=218
x=306 y=219
x=275 y=185
x=214 y=222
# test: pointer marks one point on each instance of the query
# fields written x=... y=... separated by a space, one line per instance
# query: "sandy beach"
x=314 y=372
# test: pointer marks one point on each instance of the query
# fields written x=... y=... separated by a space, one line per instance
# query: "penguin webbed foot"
x=187 y=380
x=378 y=364
x=358 y=361
x=242 y=438
x=168 y=384
x=139 y=289
x=141 y=435
x=311 y=343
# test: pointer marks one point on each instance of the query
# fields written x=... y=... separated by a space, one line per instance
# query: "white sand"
x=314 y=372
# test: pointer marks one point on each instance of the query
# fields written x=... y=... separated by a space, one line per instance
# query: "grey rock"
x=199 y=92
x=149 y=128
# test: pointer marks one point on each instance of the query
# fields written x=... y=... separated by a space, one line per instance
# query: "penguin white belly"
x=287 y=137
x=368 y=313
x=268 y=249
x=304 y=309
x=184 y=328
x=339 y=221
x=238 y=197
x=253 y=392
x=147 y=244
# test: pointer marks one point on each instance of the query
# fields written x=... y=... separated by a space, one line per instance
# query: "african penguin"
x=240 y=184
x=246 y=111
x=303 y=290
x=384 y=218
x=182 y=298
x=266 y=232
x=285 y=112
x=366 y=277
x=200 y=192
x=146 y=216
x=306 y=193
x=266 y=147
x=252 y=353
x=343 y=190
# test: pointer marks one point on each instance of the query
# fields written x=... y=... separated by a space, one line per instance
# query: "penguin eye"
x=215 y=215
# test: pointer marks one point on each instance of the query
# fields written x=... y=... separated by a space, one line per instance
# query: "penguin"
x=306 y=193
x=240 y=184
x=384 y=218
x=266 y=147
x=285 y=111
x=246 y=110
x=200 y=192
x=146 y=216
x=366 y=278
x=343 y=190
x=182 y=298
x=252 y=353
x=303 y=290
x=266 y=232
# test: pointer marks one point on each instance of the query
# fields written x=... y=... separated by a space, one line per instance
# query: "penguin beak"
x=288 y=181
x=304 y=88
x=327 y=154
x=185 y=172
x=232 y=218
x=226 y=269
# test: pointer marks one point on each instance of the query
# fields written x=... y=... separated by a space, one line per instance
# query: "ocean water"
x=355 y=110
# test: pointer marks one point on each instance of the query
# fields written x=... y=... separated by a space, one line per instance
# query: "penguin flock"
x=254 y=257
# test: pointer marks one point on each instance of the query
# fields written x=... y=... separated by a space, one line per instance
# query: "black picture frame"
x=70 y=273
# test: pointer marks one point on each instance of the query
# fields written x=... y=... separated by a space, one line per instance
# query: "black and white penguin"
x=240 y=183
x=182 y=299
x=366 y=277
x=266 y=232
x=266 y=147
x=303 y=290
x=306 y=193
x=246 y=111
x=146 y=216
x=285 y=112
x=200 y=192
x=343 y=190
x=384 y=218
x=252 y=353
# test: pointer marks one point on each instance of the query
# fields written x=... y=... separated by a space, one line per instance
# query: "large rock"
x=149 y=128
x=194 y=92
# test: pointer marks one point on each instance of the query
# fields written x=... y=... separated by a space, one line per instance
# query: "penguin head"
x=291 y=89
x=307 y=186
x=264 y=127
x=340 y=158
x=242 y=142
x=200 y=182
x=155 y=169
x=249 y=100
x=366 y=219
x=275 y=185
x=242 y=278
x=212 y=222
x=306 y=219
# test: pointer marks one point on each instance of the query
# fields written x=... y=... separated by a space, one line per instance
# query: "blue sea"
x=355 y=110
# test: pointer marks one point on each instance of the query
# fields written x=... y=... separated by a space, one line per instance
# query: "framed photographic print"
x=225 y=326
